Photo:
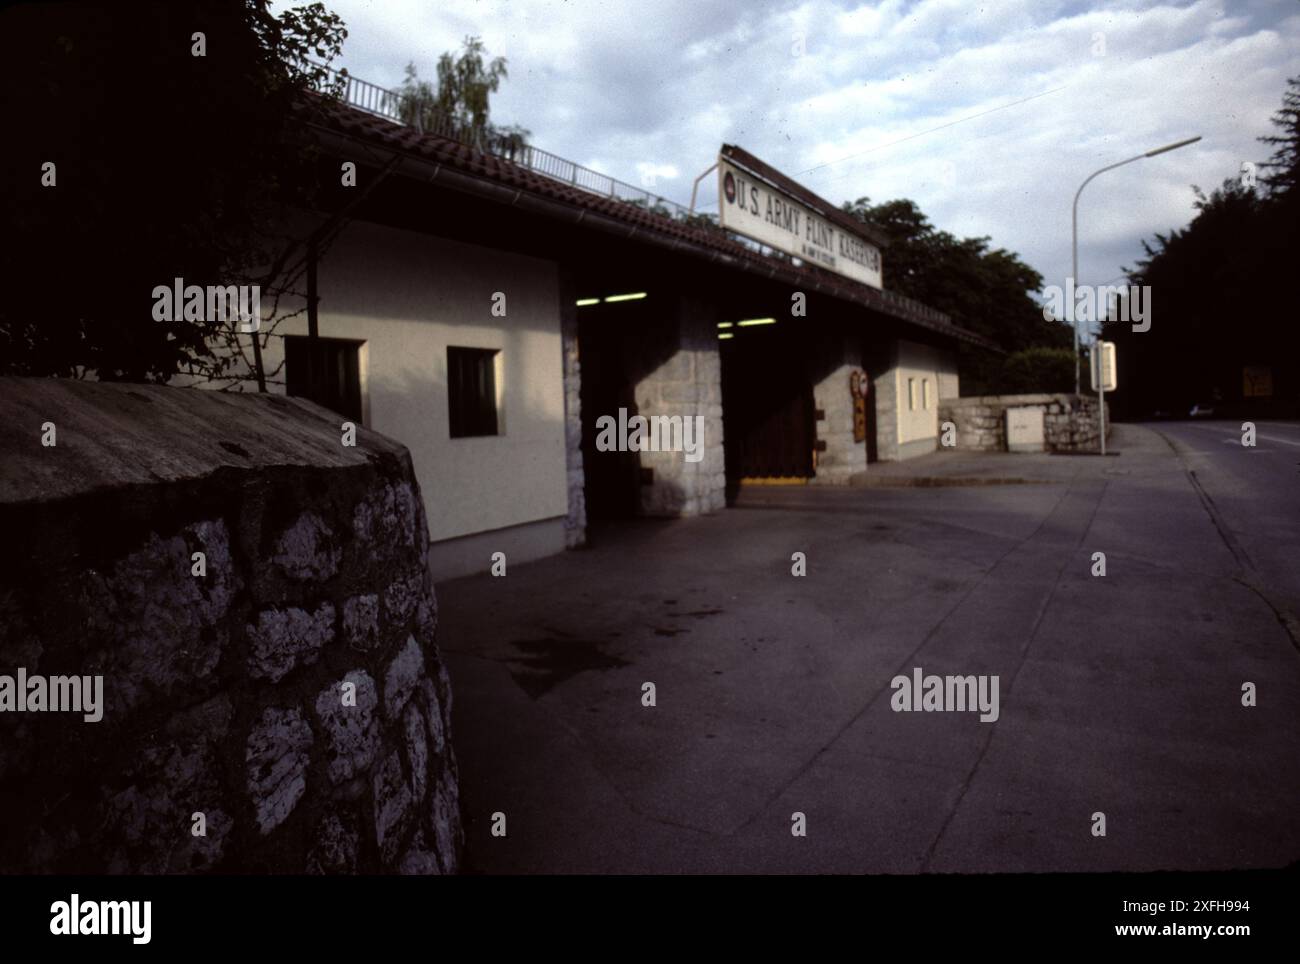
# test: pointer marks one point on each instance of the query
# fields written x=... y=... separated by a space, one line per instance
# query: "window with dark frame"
x=471 y=391
x=325 y=370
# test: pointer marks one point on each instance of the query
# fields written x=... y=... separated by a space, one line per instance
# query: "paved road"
x=1118 y=694
x=1254 y=492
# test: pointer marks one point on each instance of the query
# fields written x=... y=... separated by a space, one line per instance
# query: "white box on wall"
x=1025 y=429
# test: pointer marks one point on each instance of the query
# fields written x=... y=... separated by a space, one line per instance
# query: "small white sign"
x=1104 y=350
x=1025 y=429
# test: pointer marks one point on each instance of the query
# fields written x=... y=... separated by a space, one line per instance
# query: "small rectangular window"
x=325 y=370
x=911 y=394
x=925 y=394
x=471 y=391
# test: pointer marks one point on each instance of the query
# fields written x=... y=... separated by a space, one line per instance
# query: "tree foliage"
x=988 y=291
x=458 y=105
x=1033 y=370
x=167 y=165
x=1217 y=293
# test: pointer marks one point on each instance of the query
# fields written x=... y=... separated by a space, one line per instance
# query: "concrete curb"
x=938 y=481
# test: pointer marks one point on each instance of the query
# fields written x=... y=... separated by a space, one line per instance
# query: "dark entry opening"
x=612 y=478
x=767 y=404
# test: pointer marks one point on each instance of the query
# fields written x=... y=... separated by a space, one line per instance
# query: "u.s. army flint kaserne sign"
x=754 y=208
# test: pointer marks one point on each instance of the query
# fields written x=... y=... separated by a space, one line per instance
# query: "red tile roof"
x=353 y=122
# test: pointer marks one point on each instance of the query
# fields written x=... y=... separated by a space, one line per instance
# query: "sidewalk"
x=950 y=467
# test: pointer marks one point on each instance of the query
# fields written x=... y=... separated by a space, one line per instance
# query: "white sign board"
x=1105 y=351
x=1025 y=429
x=752 y=207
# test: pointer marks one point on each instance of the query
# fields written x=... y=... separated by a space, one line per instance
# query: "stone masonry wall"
x=575 y=522
x=688 y=383
x=1069 y=421
x=842 y=457
x=280 y=708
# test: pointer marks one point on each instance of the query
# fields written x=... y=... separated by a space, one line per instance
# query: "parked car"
x=1201 y=410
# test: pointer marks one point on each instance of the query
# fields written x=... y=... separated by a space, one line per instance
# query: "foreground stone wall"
x=275 y=705
x=1069 y=421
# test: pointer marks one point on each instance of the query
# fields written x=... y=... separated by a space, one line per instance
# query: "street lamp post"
x=1074 y=234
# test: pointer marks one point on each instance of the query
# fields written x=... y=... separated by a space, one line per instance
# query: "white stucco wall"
x=922 y=365
x=409 y=296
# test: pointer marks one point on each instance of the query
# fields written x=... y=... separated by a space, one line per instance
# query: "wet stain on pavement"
x=546 y=663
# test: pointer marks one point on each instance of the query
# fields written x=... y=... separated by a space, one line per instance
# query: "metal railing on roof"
x=386 y=103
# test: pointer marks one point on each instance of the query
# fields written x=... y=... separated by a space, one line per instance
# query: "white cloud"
x=651 y=91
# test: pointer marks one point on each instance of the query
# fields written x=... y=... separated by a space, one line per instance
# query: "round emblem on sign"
x=729 y=187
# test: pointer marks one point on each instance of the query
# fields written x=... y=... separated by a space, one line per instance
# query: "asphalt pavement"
x=1119 y=694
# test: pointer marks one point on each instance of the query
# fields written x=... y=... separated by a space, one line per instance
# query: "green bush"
x=1035 y=370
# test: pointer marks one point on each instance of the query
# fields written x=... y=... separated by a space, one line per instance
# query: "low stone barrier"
x=251 y=598
x=1069 y=421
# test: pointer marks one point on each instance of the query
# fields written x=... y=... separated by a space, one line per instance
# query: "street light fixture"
x=1074 y=235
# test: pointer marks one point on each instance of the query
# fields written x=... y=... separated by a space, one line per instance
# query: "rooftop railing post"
x=383 y=102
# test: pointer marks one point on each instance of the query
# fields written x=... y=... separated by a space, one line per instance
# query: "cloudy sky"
x=987 y=115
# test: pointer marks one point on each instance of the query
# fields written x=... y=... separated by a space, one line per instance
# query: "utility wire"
x=960 y=120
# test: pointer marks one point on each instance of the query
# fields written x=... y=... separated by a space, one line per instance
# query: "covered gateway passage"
x=767 y=401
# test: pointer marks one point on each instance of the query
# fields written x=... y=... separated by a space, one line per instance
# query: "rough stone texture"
x=417 y=749
x=361 y=621
x=176 y=771
x=351 y=731
x=403 y=675
x=387 y=519
x=420 y=862
x=838 y=356
x=335 y=848
x=1069 y=421
x=444 y=817
x=394 y=808
x=221 y=692
x=306 y=550
x=687 y=383
x=160 y=627
x=575 y=521
x=400 y=599
x=433 y=716
x=283 y=639
x=277 y=757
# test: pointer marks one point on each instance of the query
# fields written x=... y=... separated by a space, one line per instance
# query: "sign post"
x=1103 y=380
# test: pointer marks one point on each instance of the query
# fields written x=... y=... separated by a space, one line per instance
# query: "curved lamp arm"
x=1074 y=227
